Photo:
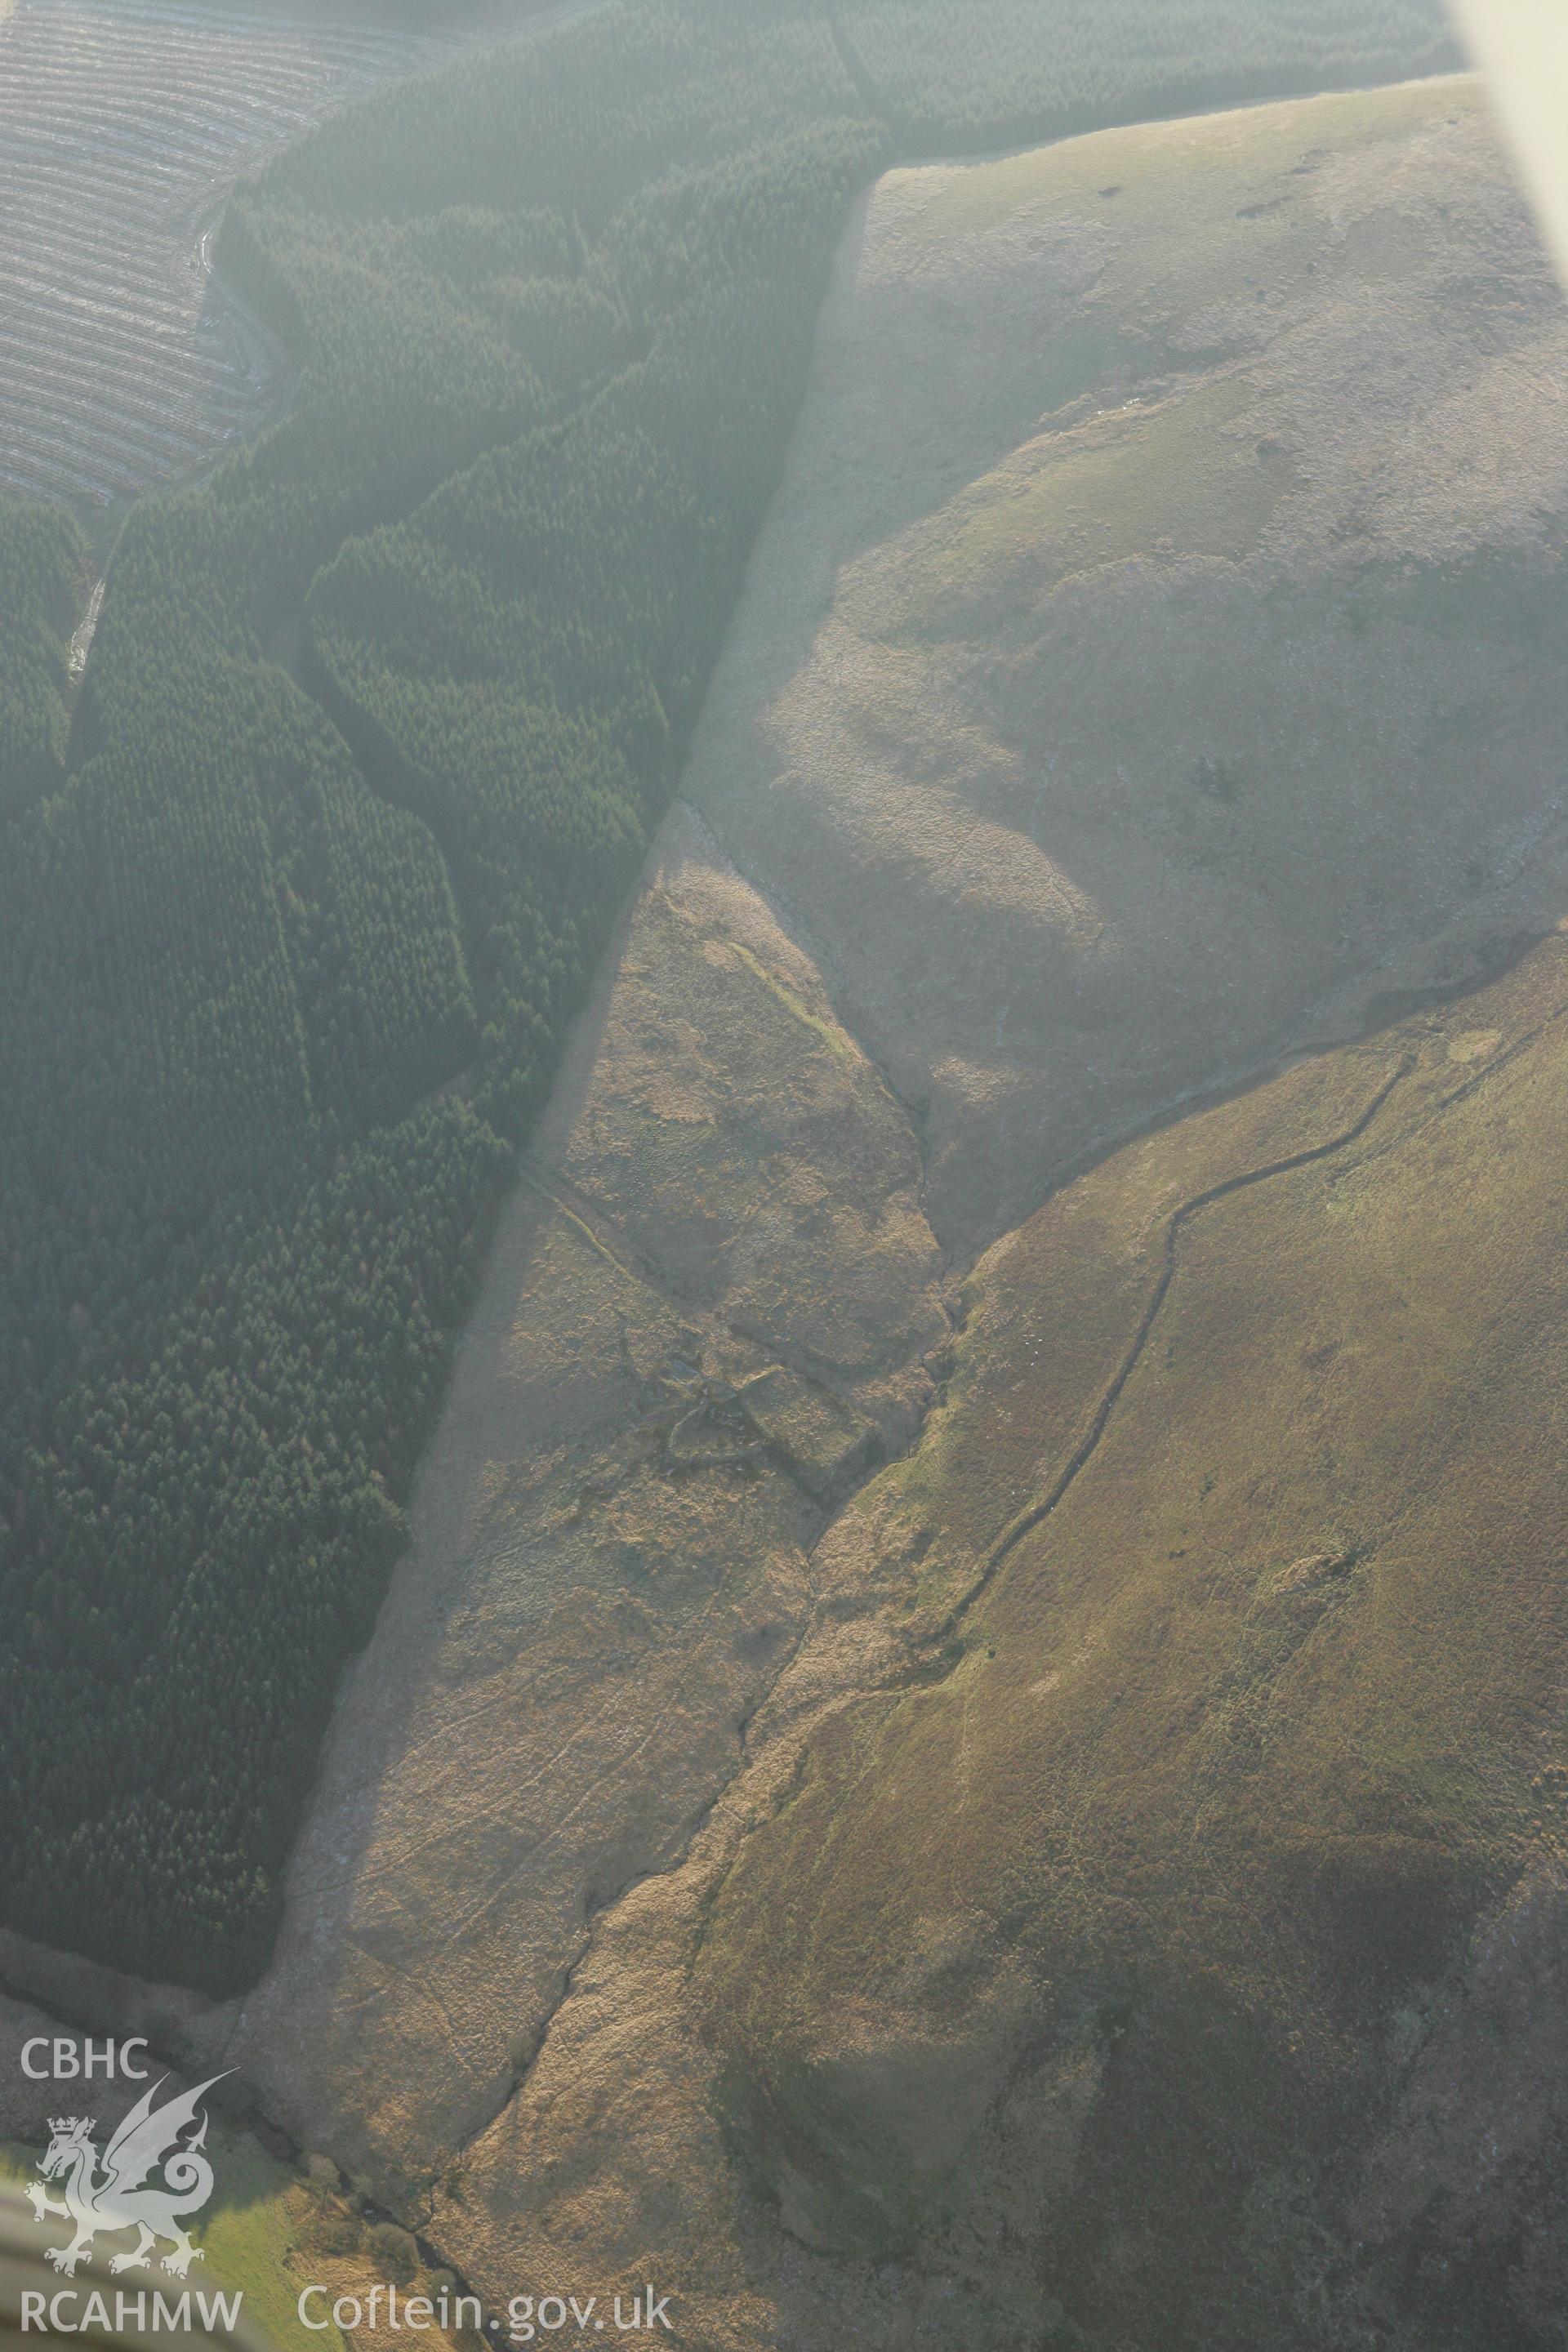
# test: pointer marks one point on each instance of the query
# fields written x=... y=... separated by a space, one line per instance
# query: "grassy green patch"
x=247 y=2235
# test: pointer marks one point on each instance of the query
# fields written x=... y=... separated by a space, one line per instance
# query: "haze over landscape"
x=783 y=980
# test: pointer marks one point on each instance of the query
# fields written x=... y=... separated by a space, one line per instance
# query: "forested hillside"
x=286 y=950
x=947 y=76
x=42 y=568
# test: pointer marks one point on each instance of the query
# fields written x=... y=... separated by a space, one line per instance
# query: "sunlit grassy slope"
x=1199 y=245
x=246 y=2238
x=270 y=2231
x=1121 y=1928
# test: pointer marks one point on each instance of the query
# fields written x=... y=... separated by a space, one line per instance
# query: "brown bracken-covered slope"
x=1137 y=1921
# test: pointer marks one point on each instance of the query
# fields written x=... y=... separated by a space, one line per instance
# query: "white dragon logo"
x=148 y=2140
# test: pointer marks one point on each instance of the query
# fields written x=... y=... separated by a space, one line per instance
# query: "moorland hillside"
x=290 y=952
x=1171 y=1964
x=688 y=1879
x=1135 y=1917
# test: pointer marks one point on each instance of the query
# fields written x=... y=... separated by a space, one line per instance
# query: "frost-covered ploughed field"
x=122 y=124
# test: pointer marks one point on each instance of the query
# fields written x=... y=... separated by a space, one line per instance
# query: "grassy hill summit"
x=1149 y=632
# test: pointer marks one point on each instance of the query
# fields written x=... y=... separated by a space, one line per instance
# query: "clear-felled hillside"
x=123 y=123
